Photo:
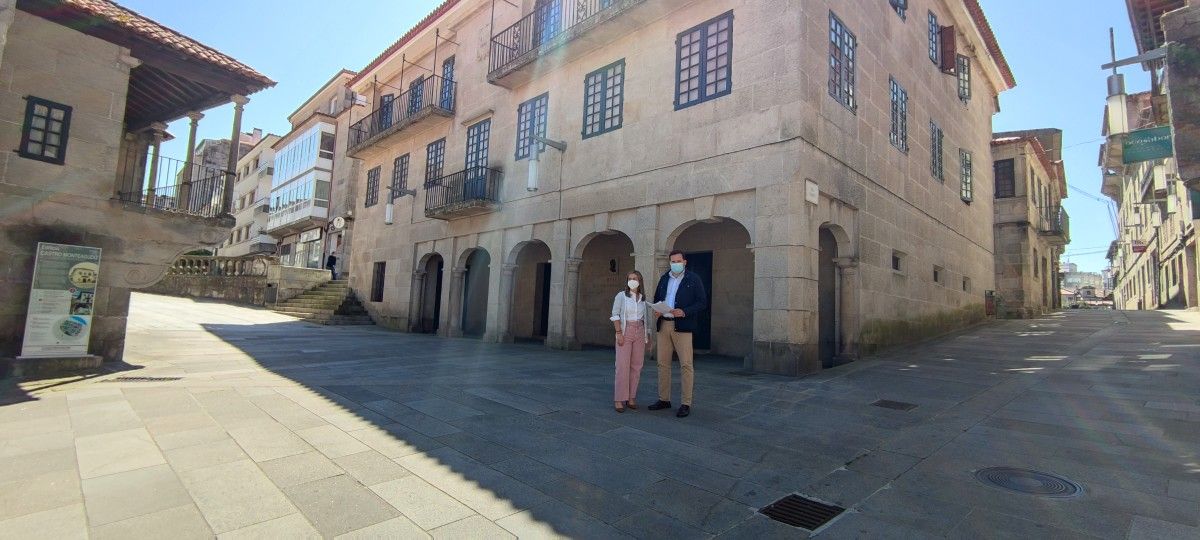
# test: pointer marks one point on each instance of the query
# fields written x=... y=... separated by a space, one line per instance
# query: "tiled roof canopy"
x=177 y=74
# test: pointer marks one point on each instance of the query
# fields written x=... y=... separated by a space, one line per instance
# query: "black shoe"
x=660 y=405
x=683 y=411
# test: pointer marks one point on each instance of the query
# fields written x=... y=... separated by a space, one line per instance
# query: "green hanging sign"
x=1147 y=144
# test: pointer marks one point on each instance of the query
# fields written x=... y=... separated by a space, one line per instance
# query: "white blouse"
x=627 y=308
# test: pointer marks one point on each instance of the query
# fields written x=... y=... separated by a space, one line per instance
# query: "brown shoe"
x=619 y=408
x=631 y=405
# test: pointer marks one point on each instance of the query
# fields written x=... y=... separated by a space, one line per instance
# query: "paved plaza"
x=250 y=424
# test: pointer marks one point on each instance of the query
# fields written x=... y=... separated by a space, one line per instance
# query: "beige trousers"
x=680 y=342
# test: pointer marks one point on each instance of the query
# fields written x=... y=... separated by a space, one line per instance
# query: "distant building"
x=309 y=186
x=251 y=202
x=1031 y=225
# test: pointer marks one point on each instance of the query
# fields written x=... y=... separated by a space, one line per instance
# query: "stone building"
x=1149 y=164
x=820 y=162
x=1031 y=225
x=251 y=201
x=86 y=89
x=310 y=187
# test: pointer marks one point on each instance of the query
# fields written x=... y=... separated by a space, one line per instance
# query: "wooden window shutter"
x=949 y=46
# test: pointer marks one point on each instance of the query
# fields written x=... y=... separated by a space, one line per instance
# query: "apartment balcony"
x=1056 y=225
x=466 y=193
x=171 y=185
x=433 y=96
x=262 y=207
x=559 y=31
x=297 y=217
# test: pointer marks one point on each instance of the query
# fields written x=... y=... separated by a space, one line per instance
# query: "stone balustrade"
x=196 y=265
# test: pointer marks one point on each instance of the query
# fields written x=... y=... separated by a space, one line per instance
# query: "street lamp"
x=389 y=209
x=532 y=182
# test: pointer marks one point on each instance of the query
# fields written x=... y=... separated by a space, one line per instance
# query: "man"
x=684 y=293
x=331 y=265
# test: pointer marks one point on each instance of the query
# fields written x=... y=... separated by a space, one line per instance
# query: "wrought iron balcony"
x=162 y=183
x=1056 y=224
x=432 y=95
x=550 y=25
x=469 y=192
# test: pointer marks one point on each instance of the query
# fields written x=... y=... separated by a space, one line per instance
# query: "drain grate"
x=801 y=512
x=896 y=405
x=144 y=379
x=1029 y=482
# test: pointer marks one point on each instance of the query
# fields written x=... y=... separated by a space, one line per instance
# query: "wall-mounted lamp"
x=389 y=209
x=534 y=151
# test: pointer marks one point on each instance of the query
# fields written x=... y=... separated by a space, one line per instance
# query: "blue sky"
x=1054 y=47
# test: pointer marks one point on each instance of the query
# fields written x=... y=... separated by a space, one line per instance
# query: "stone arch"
x=669 y=240
x=475 y=264
x=718 y=251
x=602 y=259
x=525 y=290
x=428 y=283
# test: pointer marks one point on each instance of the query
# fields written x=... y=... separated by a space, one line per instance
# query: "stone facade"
x=1028 y=240
x=751 y=184
x=77 y=201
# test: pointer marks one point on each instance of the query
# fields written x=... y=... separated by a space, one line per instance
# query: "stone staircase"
x=331 y=303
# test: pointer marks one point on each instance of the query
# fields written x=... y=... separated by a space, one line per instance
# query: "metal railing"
x=196 y=265
x=431 y=94
x=546 y=22
x=476 y=186
x=163 y=183
x=1055 y=221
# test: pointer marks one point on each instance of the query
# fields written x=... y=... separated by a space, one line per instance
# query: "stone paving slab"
x=412 y=436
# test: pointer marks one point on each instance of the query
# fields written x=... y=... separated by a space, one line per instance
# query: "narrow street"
x=232 y=423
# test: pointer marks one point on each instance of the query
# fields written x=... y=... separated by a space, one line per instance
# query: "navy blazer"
x=691 y=298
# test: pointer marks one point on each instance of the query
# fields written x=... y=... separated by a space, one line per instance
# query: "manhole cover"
x=897 y=405
x=1029 y=482
x=801 y=512
x=144 y=379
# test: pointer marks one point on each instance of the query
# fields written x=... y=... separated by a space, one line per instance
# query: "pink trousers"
x=630 y=357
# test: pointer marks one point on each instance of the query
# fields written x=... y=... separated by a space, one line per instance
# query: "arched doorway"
x=717 y=251
x=530 y=310
x=430 y=311
x=475 y=293
x=607 y=258
x=827 y=297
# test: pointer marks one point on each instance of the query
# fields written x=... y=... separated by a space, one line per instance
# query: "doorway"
x=827 y=344
x=701 y=263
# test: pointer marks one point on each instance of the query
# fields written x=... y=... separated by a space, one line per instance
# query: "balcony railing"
x=163 y=183
x=548 y=21
x=1056 y=222
x=193 y=265
x=432 y=95
x=468 y=192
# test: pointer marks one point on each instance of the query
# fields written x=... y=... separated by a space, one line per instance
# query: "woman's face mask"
x=633 y=284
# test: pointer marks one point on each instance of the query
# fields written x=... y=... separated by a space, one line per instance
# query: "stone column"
x=504 y=324
x=571 y=303
x=158 y=132
x=847 y=309
x=235 y=150
x=183 y=192
x=454 y=309
x=416 y=299
x=560 y=249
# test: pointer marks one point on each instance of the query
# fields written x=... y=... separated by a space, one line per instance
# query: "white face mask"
x=633 y=284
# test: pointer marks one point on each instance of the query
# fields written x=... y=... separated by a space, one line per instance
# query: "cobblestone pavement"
x=276 y=428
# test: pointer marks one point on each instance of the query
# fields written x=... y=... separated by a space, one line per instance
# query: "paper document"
x=663 y=309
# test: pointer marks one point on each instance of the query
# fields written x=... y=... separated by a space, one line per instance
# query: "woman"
x=630 y=315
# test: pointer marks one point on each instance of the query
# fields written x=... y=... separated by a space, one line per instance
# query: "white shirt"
x=626 y=308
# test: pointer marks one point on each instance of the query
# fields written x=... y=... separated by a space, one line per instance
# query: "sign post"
x=58 y=321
